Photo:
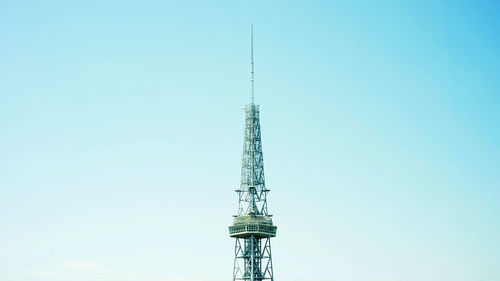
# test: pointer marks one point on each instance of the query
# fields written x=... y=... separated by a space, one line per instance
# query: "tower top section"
x=253 y=226
x=252 y=191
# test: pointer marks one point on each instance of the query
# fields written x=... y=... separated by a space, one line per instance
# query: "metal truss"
x=252 y=228
x=253 y=259
x=252 y=193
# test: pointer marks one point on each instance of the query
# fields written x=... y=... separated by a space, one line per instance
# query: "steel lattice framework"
x=253 y=226
x=252 y=192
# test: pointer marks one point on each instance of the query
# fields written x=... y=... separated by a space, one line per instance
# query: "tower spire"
x=253 y=226
x=252 y=79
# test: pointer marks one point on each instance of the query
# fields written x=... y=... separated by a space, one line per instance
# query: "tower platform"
x=256 y=225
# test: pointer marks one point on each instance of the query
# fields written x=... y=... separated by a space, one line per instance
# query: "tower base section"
x=253 y=260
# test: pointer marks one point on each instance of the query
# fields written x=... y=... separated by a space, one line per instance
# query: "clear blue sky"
x=121 y=128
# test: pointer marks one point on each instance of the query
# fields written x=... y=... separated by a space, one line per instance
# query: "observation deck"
x=257 y=225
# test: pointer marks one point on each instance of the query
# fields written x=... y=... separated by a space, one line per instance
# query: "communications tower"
x=253 y=226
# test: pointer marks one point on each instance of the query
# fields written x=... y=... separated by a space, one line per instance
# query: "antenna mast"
x=252 y=80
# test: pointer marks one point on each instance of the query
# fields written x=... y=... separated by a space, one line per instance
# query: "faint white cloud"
x=47 y=273
x=87 y=276
x=83 y=266
x=92 y=271
x=173 y=278
x=82 y=269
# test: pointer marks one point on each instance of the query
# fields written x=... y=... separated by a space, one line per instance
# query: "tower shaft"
x=252 y=227
x=252 y=194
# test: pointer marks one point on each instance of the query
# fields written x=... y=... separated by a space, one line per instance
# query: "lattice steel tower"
x=253 y=226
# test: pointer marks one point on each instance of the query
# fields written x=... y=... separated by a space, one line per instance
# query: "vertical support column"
x=266 y=253
x=252 y=258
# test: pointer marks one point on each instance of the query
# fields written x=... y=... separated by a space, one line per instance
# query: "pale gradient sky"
x=121 y=128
